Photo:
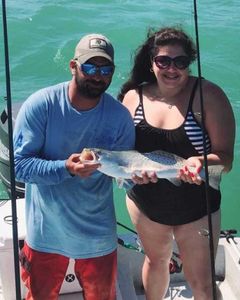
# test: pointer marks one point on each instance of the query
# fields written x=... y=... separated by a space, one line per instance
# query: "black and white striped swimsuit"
x=191 y=126
x=164 y=202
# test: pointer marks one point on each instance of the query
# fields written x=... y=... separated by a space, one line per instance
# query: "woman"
x=164 y=100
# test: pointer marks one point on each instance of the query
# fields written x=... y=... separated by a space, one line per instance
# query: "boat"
x=130 y=260
x=4 y=150
x=130 y=253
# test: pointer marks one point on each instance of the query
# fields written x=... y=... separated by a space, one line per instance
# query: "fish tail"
x=215 y=174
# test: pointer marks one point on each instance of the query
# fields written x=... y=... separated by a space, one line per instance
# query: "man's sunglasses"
x=164 y=62
x=91 y=70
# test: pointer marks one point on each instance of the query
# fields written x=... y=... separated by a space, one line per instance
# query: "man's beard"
x=90 y=88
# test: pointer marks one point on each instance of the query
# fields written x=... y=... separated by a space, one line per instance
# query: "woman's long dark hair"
x=141 y=71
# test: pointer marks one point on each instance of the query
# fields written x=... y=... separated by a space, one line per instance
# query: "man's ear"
x=72 y=66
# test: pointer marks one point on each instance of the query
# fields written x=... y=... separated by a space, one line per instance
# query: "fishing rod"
x=210 y=231
x=126 y=227
x=11 y=158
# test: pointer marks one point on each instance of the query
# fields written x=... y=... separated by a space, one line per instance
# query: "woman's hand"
x=190 y=172
x=145 y=178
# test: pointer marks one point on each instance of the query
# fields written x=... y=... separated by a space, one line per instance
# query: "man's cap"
x=94 y=45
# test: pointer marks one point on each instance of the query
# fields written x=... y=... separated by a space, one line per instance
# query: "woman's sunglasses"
x=91 y=70
x=164 y=62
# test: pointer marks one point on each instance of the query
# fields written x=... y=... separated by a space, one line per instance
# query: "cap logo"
x=97 y=43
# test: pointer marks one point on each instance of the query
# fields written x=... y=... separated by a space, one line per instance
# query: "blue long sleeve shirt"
x=68 y=215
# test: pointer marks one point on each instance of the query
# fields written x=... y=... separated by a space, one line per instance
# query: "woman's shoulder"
x=214 y=94
x=135 y=94
x=215 y=99
x=211 y=87
x=131 y=94
x=131 y=100
x=211 y=91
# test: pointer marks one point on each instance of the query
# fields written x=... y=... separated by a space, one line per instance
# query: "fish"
x=121 y=165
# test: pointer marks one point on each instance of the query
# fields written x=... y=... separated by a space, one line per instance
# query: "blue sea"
x=42 y=36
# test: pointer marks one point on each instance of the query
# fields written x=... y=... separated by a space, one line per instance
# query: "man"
x=69 y=204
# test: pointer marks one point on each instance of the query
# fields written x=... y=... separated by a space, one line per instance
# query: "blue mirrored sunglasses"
x=91 y=70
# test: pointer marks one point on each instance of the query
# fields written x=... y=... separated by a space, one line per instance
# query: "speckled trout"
x=123 y=164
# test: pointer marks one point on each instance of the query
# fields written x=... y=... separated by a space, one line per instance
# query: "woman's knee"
x=157 y=262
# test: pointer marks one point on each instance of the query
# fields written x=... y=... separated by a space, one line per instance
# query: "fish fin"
x=124 y=183
x=175 y=181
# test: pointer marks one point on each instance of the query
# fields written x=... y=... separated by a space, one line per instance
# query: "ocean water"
x=42 y=36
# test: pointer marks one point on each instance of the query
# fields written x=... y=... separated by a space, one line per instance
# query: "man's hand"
x=76 y=167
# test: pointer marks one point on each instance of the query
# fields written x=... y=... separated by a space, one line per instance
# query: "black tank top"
x=164 y=202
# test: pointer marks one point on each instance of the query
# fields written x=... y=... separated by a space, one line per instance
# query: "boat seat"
x=135 y=260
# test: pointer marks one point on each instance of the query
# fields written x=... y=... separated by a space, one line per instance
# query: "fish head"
x=89 y=156
x=94 y=155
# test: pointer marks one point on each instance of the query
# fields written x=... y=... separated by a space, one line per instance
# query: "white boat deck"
x=129 y=285
x=229 y=287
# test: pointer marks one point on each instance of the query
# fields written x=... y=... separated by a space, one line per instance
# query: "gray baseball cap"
x=94 y=45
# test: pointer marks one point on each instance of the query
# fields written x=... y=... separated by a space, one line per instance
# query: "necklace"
x=176 y=97
x=163 y=100
x=160 y=98
x=169 y=105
